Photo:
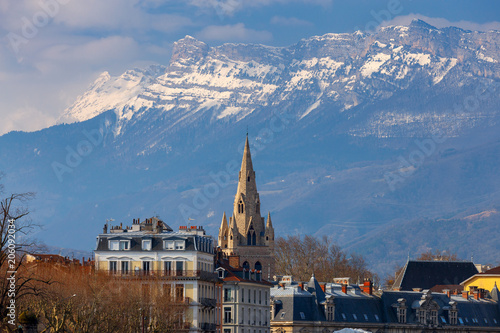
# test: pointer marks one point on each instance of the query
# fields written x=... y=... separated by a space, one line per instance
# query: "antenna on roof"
x=408 y=255
x=472 y=257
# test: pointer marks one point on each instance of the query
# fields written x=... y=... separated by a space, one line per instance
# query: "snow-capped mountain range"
x=340 y=71
x=329 y=118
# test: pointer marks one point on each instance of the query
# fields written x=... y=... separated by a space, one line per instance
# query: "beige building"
x=151 y=252
x=247 y=234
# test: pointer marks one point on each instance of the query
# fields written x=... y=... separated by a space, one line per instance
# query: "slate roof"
x=296 y=305
x=193 y=242
x=427 y=274
x=469 y=310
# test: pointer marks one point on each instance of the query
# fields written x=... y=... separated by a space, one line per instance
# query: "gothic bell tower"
x=247 y=234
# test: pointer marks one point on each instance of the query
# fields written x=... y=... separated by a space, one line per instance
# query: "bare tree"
x=15 y=228
x=303 y=256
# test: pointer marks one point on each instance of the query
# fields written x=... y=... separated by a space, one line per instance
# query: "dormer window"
x=169 y=245
x=146 y=244
x=119 y=245
x=179 y=245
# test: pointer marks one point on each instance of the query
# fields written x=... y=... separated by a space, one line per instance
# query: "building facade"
x=183 y=262
x=315 y=307
x=488 y=280
x=247 y=234
x=245 y=299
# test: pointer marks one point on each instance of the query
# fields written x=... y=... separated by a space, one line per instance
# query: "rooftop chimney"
x=367 y=287
x=323 y=286
x=447 y=292
x=465 y=294
x=301 y=285
x=234 y=260
x=344 y=288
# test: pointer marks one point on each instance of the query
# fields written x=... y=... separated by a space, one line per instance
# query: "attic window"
x=354 y=316
x=344 y=317
x=376 y=317
x=366 y=317
x=302 y=316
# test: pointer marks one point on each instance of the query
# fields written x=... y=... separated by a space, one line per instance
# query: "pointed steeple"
x=223 y=225
x=494 y=293
x=246 y=179
x=269 y=222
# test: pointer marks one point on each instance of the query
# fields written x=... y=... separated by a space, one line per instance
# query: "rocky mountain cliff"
x=355 y=136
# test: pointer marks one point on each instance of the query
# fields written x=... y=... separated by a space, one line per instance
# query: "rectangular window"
x=242 y=295
x=146 y=266
x=124 y=267
x=167 y=267
x=167 y=290
x=179 y=292
x=401 y=315
x=227 y=295
x=227 y=315
x=113 y=266
x=227 y=330
x=354 y=316
x=124 y=245
x=260 y=296
x=434 y=317
x=248 y=295
x=146 y=244
x=179 y=267
x=179 y=245
x=114 y=245
x=169 y=245
x=254 y=296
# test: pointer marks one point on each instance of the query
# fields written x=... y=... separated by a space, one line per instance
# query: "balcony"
x=208 y=302
x=208 y=327
x=162 y=274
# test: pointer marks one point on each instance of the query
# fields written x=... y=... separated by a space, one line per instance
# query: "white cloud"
x=234 y=33
x=290 y=21
x=229 y=7
x=27 y=119
x=442 y=23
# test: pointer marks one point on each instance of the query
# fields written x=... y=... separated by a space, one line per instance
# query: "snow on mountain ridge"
x=340 y=70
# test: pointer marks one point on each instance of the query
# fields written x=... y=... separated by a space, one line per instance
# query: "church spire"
x=247 y=199
x=269 y=222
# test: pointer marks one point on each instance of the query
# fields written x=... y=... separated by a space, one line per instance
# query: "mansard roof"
x=427 y=274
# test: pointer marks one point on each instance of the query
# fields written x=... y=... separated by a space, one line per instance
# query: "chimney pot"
x=323 y=286
x=465 y=294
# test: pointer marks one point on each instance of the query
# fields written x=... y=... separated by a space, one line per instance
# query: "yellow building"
x=486 y=280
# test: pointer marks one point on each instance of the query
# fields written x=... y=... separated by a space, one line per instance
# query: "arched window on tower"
x=258 y=266
x=241 y=207
x=246 y=265
x=251 y=236
x=257 y=206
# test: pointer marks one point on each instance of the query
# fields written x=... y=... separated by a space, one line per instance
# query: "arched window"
x=258 y=266
x=248 y=178
x=251 y=236
x=241 y=207
x=246 y=265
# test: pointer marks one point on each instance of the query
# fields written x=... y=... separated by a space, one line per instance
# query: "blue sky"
x=51 y=50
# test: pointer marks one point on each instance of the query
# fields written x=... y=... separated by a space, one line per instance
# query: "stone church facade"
x=247 y=234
